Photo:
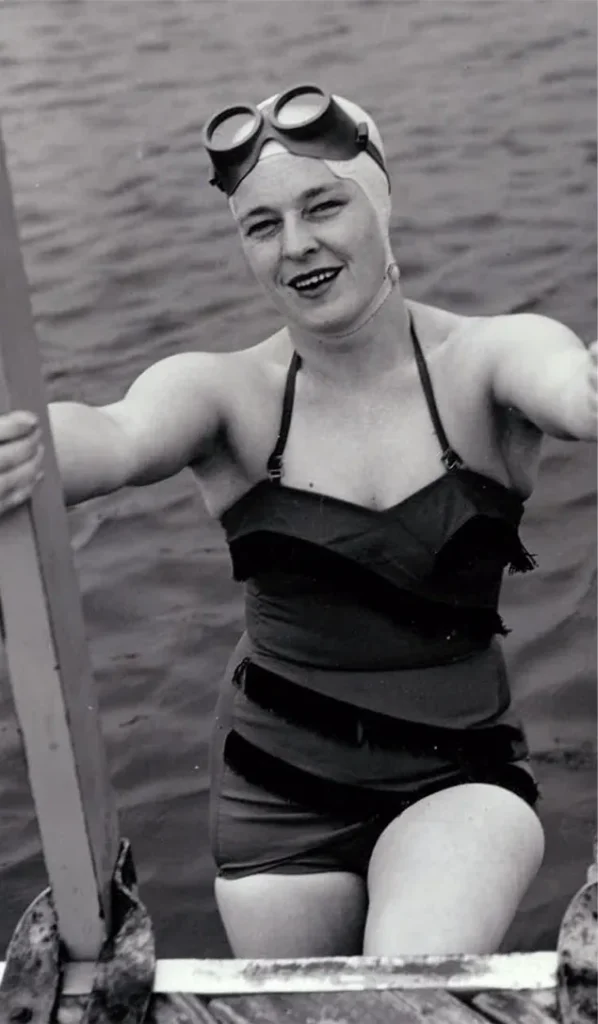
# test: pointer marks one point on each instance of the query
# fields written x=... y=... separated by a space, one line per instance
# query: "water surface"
x=488 y=110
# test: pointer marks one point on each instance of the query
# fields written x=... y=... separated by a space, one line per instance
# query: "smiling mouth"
x=314 y=281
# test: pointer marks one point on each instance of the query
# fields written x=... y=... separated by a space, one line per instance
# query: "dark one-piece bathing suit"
x=371 y=672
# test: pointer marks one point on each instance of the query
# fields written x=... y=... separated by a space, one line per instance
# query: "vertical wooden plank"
x=46 y=649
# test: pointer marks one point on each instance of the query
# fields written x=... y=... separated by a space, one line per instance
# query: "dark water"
x=489 y=114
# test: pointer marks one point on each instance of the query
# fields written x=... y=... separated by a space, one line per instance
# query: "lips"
x=314 y=279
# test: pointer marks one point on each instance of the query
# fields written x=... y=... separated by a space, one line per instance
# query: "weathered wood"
x=544 y=999
x=438 y=1005
x=179 y=1009
x=172 y=1009
x=44 y=634
x=512 y=971
x=330 y=1008
x=333 y=974
x=329 y=993
x=344 y=1008
x=512 y=1008
x=305 y=1008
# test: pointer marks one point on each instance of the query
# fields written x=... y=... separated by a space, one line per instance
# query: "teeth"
x=314 y=279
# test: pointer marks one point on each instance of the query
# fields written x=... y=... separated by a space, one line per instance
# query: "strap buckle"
x=275 y=468
x=451 y=460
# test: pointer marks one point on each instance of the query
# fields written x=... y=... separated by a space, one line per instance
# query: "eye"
x=262 y=228
x=327 y=206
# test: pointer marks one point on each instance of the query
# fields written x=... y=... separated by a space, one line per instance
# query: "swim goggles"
x=306 y=120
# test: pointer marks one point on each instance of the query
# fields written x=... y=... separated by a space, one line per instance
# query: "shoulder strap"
x=274 y=464
x=450 y=457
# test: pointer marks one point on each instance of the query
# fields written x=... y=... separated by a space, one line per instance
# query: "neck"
x=357 y=359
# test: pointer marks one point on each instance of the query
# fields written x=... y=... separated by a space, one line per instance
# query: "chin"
x=328 y=320
x=334 y=328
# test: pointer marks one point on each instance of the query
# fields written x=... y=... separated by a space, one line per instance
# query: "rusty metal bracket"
x=124 y=973
x=577 y=975
x=30 y=987
x=124 y=977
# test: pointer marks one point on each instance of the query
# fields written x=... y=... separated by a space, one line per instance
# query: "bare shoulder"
x=492 y=347
x=503 y=334
x=435 y=325
x=452 y=342
x=190 y=370
x=467 y=349
x=275 y=350
x=490 y=332
x=212 y=377
x=527 y=361
x=251 y=376
x=179 y=410
x=525 y=364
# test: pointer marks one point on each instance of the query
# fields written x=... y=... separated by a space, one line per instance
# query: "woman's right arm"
x=170 y=417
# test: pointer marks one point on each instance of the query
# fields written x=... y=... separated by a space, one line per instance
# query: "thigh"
x=448 y=874
x=294 y=915
x=291 y=880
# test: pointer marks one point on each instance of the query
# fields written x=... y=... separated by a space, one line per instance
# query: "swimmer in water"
x=371 y=786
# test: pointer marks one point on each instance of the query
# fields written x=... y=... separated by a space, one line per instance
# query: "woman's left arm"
x=542 y=369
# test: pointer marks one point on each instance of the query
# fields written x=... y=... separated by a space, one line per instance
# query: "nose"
x=297 y=238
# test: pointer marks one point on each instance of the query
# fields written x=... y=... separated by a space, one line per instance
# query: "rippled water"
x=489 y=115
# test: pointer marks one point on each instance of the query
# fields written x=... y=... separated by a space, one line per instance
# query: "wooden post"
x=44 y=635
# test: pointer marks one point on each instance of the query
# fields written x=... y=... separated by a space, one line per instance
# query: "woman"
x=371 y=789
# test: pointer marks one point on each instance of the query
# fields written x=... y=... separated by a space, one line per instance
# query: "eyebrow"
x=309 y=193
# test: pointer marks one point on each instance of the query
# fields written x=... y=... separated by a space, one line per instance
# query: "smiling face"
x=312 y=241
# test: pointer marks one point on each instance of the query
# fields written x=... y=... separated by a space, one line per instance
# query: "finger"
x=19 y=423
x=22 y=479
x=14 y=453
x=16 y=498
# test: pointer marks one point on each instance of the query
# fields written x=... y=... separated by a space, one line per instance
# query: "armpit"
x=520 y=443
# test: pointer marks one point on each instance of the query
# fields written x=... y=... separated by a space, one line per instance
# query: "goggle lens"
x=300 y=109
x=232 y=129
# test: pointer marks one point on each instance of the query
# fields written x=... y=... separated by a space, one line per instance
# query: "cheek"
x=260 y=260
x=370 y=252
x=362 y=235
